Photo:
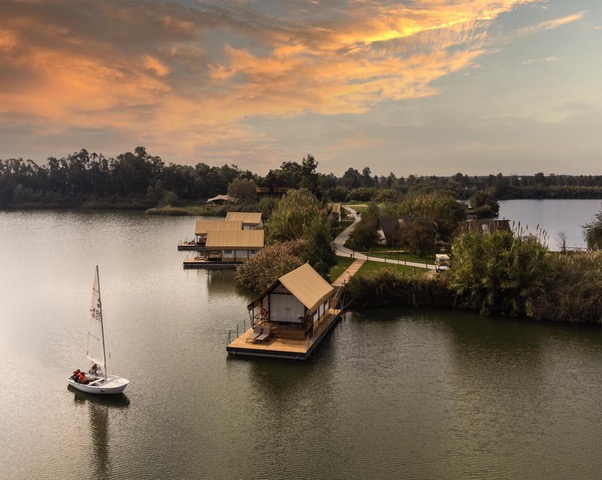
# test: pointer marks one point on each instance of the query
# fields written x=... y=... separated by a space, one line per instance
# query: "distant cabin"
x=233 y=245
x=203 y=226
x=296 y=301
x=250 y=220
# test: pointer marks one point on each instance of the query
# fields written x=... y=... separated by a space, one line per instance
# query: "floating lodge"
x=227 y=249
x=290 y=318
x=225 y=243
x=203 y=227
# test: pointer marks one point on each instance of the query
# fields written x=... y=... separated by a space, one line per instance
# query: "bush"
x=261 y=271
x=389 y=289
x=572 y=293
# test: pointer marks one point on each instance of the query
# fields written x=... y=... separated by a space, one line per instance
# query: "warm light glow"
x=187 y=78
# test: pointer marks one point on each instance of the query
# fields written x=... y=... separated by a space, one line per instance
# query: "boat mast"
x=102 y=326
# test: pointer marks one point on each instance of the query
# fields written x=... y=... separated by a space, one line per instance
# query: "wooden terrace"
x=197 y=261
x=289 y=343
x=191 y=246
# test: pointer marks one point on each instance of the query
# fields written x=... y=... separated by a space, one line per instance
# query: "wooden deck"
x=199 y=247
x=192 y=261
x=285 y=345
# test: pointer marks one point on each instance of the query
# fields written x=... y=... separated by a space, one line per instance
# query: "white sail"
x=95 y=348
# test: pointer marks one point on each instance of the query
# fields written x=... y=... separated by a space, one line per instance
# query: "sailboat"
x=96 y=380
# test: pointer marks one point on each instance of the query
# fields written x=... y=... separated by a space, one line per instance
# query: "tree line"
x=139 y=180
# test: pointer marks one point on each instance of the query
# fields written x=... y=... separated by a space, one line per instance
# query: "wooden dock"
x=193 y=261
x=293 y=345
x=199 y=247
x=296 y=344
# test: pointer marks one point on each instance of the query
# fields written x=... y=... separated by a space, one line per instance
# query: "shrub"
x=389 y=289
x=261 y=271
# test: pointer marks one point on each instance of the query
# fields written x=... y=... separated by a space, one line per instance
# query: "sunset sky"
x=426 y=87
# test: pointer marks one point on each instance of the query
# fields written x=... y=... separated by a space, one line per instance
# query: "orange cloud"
x=188 y=77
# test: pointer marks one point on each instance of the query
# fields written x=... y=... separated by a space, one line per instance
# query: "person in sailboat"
x=79 y=377
x=95 y=371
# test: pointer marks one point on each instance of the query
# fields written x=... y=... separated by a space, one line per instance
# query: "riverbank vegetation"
x=497 y=274
x=298 y=231
x=139 y=180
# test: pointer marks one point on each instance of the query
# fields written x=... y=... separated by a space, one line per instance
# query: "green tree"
x=484 y=205
x=592 y=232
x=244 y=190
x=310 y=179
x=364 y=234
x=443 y=211
x=573 y=290
x=296 y=211
x=386 y=195
x=319 y=252
x=498 y=273
x=417 y=235
x=362 y=194
x=262 y=270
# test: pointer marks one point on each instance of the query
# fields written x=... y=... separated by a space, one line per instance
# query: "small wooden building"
x=290 y=318
x=296 y=300
x=233 y=246
x=203 y=226
x=226 y=249
x=250 y=220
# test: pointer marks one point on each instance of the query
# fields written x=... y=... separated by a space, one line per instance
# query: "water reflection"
x=99 y=409
x=220 y=282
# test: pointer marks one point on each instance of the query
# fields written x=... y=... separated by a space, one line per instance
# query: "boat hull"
x=101 y=386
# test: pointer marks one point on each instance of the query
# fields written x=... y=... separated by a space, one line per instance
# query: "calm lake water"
x=553 y=217
x=414 y=394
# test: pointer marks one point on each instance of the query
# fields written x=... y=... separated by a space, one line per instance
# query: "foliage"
x=573 y=289
x=262 y=270
x=386 y=195
x=592 y=232
x=310 y=180
x=498 y=273
x=338 y=193
x=244 y=190
x=361 y=194
x=137 y=180
x=386 y=288
x=296 y=211
x=484 y=205
x=417 y=234
x=168 y=199
x=319 y=252
x=364 y=234
x=266 y=206
x=300 y=215
x=443 y=211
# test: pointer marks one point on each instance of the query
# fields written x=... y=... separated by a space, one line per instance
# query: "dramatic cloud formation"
x=257 y=83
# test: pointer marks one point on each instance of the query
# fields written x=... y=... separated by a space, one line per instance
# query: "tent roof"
x=232 y=239
x=222 y=198
x=307 y=286
x=245 y=217
x=203 y=226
